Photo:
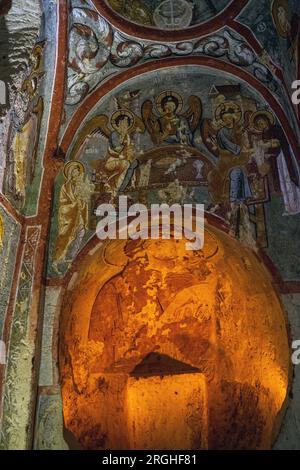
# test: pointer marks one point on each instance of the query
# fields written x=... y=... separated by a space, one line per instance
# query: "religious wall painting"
x=73 y=213
x=275 y=24
x=97 y=51
x=287 y=26
x=108 y=160
x=240 y=168
x=90 y=41
x=21 y=348
x=249 y=145
x=24 y=131
x=168 y=14
x=163 y=145
x=121 y=158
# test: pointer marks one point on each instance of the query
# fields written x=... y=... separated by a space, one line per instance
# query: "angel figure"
x=224 y=137
x=172 y=126
x=173 y=193
x=121 y=158
x=133 y=10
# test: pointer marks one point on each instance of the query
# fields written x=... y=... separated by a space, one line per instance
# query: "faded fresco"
x=196 y=108
x=98 y=51
x=23 y=133
x=18 y=382
x=276 y=26
x=23 y=129
x=168 y=14
x=9 y=238
x=212 y=140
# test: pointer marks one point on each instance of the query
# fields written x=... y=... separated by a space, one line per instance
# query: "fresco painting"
x=168 y=14
x=281 y=19
x=163 y=143
x=164 y=102
x=9 y=237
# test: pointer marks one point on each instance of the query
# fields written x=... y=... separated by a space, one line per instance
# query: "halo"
x=226 y=107
x=122 y=112
x=73 y=164
x=275 y=5
x=270 y=117
x=170 y=95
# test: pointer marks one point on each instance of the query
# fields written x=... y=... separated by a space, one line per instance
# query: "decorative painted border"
x=144 y=32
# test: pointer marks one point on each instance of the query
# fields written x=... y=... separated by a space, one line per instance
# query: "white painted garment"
x=290 y=191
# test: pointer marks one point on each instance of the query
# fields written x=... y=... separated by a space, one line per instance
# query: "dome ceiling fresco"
x=168 y=14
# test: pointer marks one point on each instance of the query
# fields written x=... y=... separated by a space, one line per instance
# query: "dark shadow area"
x=161 y=364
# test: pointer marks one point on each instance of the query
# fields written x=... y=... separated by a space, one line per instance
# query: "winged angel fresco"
x=172 y=125
x=121 y=158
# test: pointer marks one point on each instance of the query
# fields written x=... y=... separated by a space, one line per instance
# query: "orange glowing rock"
x=216 y=317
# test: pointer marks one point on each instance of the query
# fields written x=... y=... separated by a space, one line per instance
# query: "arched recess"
x=208 y=323
x=210 y=64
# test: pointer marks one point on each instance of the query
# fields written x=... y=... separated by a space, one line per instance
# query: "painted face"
x=283 y=19
x=75 y=173
x=170 y=107
x=262 y=124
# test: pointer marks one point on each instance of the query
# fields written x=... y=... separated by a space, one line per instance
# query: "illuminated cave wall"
x=72 y=74
x=213 y=311
x=27 y=42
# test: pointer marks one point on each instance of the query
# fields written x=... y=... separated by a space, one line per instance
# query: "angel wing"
x=151 y=121
x=139 y=126
x=194 y=112
x=247 y=116
x=209 y=136
x=96 y=124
